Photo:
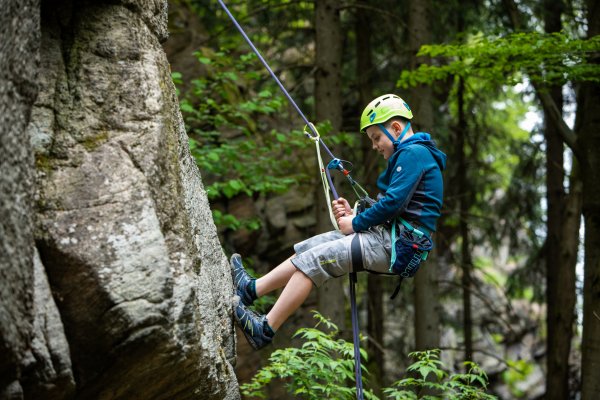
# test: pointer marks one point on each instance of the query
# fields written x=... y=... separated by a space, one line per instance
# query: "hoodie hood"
x=424 y=139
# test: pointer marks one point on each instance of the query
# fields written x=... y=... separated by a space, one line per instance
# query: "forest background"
x=510 y=92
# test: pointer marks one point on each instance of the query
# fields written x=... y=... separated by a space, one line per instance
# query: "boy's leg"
x=260 y=329
x=249 y=289
x=298 y=282
x=276 y=278
x=292 y=297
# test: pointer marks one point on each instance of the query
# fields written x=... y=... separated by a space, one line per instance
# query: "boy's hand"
x=341 y=208
x=345 y=224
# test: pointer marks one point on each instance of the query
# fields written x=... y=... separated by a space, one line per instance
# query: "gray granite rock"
x=20 y=33
x=137 y=300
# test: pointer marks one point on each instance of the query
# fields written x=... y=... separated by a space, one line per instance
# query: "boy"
x=413 y=189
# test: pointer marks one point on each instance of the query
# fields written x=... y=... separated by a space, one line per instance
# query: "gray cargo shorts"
x=328 y=255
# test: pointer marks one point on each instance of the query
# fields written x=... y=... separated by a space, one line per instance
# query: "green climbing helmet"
x=382 y=109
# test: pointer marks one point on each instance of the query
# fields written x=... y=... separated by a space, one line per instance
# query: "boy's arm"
x=406 y=176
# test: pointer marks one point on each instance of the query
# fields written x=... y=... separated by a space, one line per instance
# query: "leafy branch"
x=228 y=113
x=547 y=59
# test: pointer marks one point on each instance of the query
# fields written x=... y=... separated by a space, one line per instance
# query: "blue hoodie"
x=412 y=184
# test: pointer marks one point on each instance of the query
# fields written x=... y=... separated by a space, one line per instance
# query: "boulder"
x=19 y=55
x=131 y=293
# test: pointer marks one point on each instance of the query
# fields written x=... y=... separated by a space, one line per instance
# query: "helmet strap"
x=389 y=135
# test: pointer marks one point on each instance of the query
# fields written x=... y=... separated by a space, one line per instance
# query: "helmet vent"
x=378 y=103
x=385 y=98
x=369 y=113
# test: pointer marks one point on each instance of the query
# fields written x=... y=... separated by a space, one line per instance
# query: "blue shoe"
x=244 y=285
x=255 y=327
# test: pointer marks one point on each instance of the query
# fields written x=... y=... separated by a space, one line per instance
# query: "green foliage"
x=228 y=114
x=519 y=370
x=432 y=378
x=545 y=58
x=320 y=369
x=323 y=368
x=231 y=222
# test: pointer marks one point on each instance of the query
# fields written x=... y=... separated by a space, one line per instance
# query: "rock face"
x=129 y=297
x=20 y=32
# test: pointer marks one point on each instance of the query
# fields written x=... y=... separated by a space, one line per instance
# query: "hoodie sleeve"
x=405 y=178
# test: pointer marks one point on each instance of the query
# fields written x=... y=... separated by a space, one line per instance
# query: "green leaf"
x=424 y=371
x=213 y=156
x=236 y=185
x=204 y=60
x=186 y=107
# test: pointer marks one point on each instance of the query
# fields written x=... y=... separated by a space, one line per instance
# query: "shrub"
x=323 y=368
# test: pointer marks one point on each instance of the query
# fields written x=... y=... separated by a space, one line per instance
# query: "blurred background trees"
x=509 y=90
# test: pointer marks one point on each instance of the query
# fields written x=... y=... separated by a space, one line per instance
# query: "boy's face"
x=380 y=141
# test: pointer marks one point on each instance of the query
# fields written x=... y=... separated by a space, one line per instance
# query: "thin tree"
x=588 y=140
x=427 y=333
x=560 y=275
x=464 y=205
x=328 y=102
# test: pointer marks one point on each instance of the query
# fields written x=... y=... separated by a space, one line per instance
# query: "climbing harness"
x=334 y=164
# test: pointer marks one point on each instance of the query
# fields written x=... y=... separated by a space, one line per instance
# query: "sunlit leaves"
x=544 y=58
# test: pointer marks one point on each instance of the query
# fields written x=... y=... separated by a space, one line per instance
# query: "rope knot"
x=308 y=131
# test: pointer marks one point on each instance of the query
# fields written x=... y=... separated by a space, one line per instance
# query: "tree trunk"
x=560 y=277
x=374 y=298
x=427 y=334
x=588 y=108
x=419 y=33
x=464 y=205
x=590 y=142
x=364 y=63
x=328 y=103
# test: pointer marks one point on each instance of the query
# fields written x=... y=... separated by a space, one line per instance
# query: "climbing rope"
x=325 y=176
x=327 y=181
